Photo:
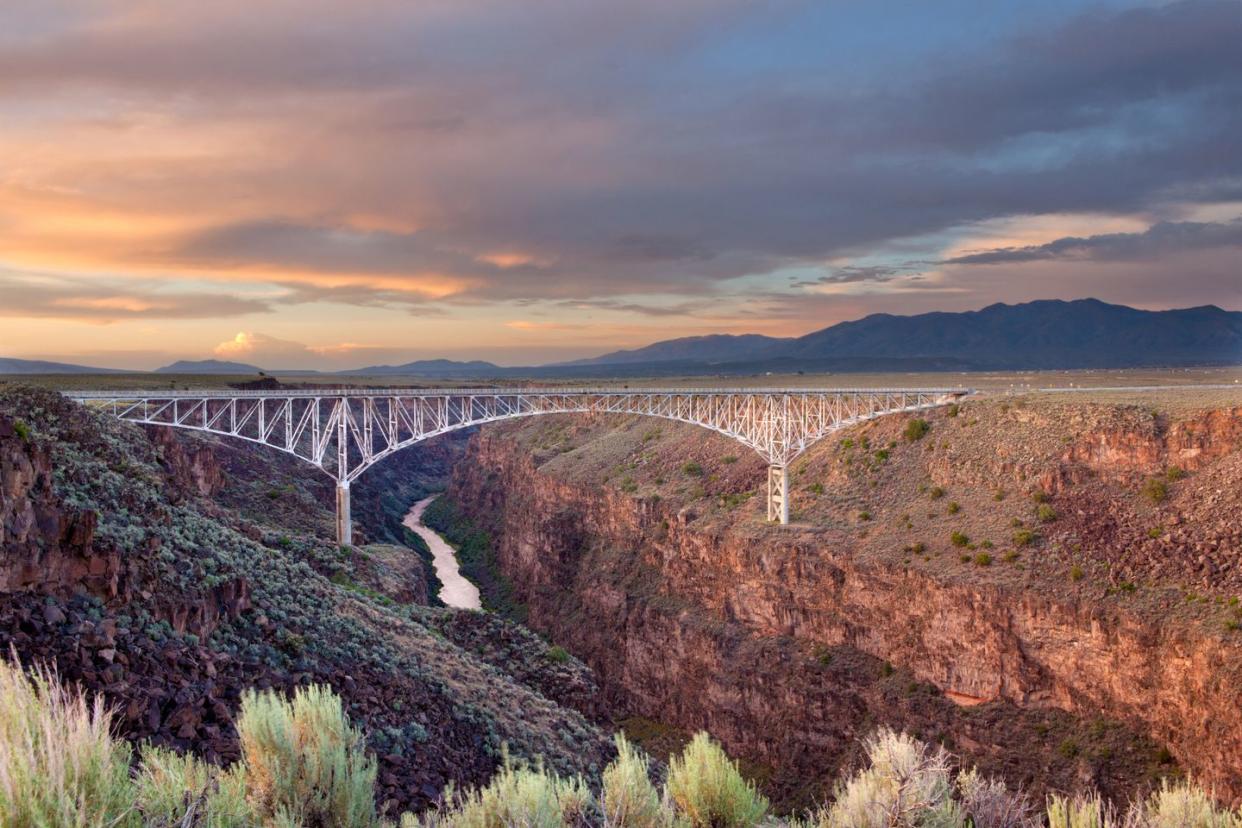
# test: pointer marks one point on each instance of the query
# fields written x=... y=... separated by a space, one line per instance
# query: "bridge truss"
x=343 y=432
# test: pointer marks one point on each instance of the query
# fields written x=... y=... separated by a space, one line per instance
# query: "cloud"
x=1159 y=240
x=248 y=345
x=103 y=301
x=443 y=158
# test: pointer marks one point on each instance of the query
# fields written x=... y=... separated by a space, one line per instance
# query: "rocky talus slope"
x=171 y=573
x=1050 y=586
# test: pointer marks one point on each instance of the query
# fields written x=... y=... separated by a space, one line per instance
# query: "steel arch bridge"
x=343 y=432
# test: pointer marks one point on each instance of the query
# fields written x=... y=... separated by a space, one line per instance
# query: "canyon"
x=1010 y=583
x=1097 y=649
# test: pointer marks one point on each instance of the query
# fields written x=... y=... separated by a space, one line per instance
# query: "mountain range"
x=1045 y=334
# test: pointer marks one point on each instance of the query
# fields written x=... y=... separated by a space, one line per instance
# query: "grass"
x=59 y=764
x=304 y=766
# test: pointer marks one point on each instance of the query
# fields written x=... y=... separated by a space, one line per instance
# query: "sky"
x=311 y=184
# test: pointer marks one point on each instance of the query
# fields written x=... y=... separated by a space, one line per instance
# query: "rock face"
x=773 y=638
x=119 y=572
x=44 y=545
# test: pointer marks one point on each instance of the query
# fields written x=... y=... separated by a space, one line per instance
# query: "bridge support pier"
x=778 y=493
x=344 y=532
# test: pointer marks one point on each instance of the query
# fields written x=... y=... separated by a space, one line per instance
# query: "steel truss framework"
x=344 y=432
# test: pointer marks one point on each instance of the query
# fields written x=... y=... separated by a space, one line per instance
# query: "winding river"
x=456 y=590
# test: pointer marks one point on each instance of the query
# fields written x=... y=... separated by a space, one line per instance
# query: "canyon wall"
x=778 y=640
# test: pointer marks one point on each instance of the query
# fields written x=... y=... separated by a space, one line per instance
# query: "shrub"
x=935 y=492
x=1039 y=496
x=816 y=488
x=558 y=654
x=954 y=507
x=627 y=797
x=953 y=410
x=729 y=459
x=1155 y=490
x=864 y=515
x=1174 y=473
x=958 y=539
x=517 y=795
x=1076 y=573
x=1078 y=812
x=916 y=430
x=172 y=788
x=692 y=469
x=983 y=559
x=1181 y=804
x=59 y=765
x=303 y=762
x=906 y=784
x=998 y=495
x=989 y=804
x=708 y=791
x=1045 y=513
x=21 y=430
x=1023 y=537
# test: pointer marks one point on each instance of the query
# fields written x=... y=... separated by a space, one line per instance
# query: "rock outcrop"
x=773 y=638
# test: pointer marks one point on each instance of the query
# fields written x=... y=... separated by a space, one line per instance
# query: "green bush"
x=1174 y=473
x=1155 y=490
x=627 y=796
x=954 y=507
x=558 y=654
x=692 y=469
x=1076 y=573
x=517 y=796
x=906 y=784
x=21 y=430
x=959 y=539
x=935 y=492
x=1023 y=537
x=1045 y=513
x=303 y=762
x=953 y=410
x=983 y=559
x=708 y=791
x=175 y=790
x=916 y=430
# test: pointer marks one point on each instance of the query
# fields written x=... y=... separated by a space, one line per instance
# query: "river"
x=456 y=590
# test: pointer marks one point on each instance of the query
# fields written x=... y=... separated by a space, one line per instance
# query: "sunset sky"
x=335 y=184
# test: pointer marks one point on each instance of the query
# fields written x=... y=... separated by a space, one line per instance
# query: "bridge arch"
x=344 y=432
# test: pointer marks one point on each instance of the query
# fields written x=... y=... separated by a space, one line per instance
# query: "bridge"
x=343 y=432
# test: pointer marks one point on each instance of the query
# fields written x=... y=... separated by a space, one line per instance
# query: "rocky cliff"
x=1033 y=602
x=118 y=570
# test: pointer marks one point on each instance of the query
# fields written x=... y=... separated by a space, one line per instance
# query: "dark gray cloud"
x=1156 y=242
x=625 y=149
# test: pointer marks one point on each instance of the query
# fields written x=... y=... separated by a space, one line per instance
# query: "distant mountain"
x=1046 y=334
x=439 y=368
x=704 y=349
x=208 y=366
x=35 y=366
x=1086 y=333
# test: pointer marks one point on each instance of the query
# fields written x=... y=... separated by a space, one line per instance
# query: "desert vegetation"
x=304 y=764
